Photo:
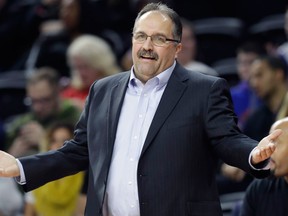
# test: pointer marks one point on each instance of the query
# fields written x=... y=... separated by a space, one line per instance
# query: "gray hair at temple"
x=164 y=9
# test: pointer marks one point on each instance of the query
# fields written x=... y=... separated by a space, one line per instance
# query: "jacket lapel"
x=116 y=100
x=172 y=94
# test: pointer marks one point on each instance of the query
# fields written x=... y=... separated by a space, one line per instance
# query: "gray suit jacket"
x=193 y=125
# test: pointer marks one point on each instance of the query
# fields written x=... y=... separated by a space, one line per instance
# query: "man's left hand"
x=265 y=147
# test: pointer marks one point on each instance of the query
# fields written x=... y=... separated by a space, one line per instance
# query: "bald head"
x=279 y=158
x=280 y=124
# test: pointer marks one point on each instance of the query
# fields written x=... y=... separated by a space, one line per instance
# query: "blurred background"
x=85 y=40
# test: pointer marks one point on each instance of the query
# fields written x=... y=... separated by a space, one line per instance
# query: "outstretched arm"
x=265 y=148
x=8 y=165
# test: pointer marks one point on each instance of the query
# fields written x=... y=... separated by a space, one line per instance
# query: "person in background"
x=244 y=98
x=90 y=58
x=268 y=77
x=49 y=50
x=269 y=196
x=149 y=137
x=188 y=54
x=231 y=179
x=21 y=18
x=11 y=198
x=57 y=197
x=269 y=81
x=24 y=132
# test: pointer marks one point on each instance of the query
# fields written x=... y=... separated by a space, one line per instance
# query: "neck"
x=276 y=99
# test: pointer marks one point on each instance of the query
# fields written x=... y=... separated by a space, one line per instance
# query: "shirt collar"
x=162 y=77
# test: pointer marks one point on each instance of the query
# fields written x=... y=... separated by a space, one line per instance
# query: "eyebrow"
x=160 y=34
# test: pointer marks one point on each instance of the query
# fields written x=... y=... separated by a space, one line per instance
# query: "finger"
x=266 y=152
x=274 y=135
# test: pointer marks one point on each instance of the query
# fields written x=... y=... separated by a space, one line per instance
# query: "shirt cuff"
x=20 y=179
x=265 y=165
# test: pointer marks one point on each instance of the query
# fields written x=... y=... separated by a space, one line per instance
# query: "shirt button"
x=131 y=159
x=130 y=182
x=132 y=206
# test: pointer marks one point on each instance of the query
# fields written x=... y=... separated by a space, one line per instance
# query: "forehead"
x=259 y=66
x=283 y=125
x=154 y=22
x=39 y=88
x=246 y=56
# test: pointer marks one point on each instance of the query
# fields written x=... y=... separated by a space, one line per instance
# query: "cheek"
x=281 y=159
x=135 y=50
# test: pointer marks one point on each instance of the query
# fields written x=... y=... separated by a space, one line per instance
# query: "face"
x=263 y=79
x=188 y=42
x=59 y=136
x=244 y=61
x=44 y=99
x=279 y=158
x=150 y=60
x=70 y=13
x=85 y=72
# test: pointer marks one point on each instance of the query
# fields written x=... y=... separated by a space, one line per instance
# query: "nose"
x=148 y=44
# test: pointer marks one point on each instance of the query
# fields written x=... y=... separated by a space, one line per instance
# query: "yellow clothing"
x=58 y=198
x=283 y=111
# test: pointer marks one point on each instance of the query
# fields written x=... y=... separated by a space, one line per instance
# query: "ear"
x=178 y=49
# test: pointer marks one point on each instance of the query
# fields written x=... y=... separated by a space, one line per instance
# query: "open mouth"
x=148 y=57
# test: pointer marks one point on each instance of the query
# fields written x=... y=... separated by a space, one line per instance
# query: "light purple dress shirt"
x=139 y=106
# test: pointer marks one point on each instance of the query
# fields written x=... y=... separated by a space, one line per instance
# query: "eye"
x=159 y=39
x=140 y=37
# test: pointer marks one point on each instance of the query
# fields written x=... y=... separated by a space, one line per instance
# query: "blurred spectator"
x=76 y=17
x=188 y=54
x=244 y=99
x=268 y=80
x=269 y=196
x=25 y=131
x=81 y=203
x=90 y=58
x=57 y=197
x=11 y=199
x=51 y=46
x=19 y=27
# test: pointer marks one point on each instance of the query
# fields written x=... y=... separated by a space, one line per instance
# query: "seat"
x=227 y=69
x=230 y=200
x=269 y=23
x=218 y=37
x=269 y=29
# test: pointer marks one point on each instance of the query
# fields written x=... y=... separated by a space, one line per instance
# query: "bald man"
x=270 y=196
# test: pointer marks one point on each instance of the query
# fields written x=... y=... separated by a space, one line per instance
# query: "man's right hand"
x=8 y=165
